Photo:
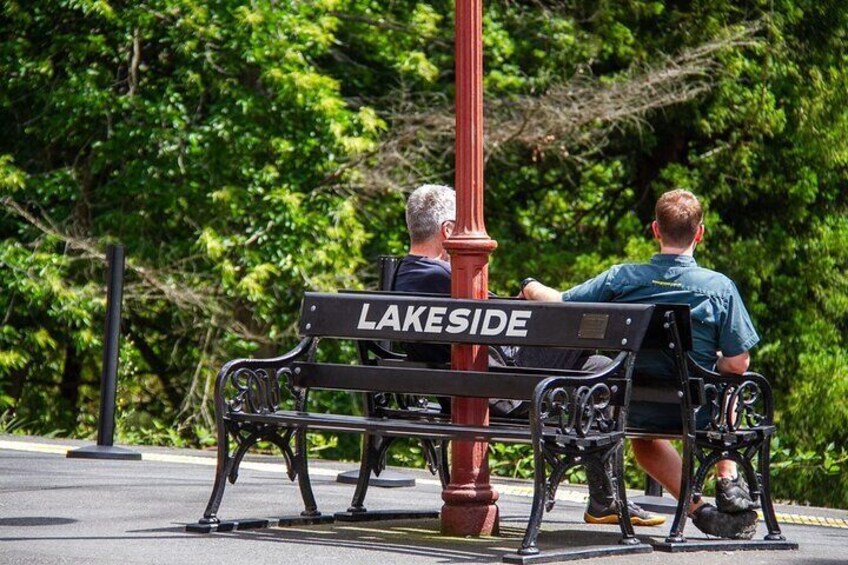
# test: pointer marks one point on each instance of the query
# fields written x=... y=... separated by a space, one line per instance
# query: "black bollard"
x=109 y=379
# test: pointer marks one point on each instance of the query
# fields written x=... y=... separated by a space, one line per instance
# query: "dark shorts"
x=661 y=417
x=549 y=357
x=543 y=357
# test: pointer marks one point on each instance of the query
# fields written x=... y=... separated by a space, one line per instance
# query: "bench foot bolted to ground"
x=257 y=524
x=554 y=556
x=384 y=515
x=690 y=545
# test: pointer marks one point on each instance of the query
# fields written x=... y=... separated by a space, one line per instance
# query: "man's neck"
x=430 y=249
x=668 y=250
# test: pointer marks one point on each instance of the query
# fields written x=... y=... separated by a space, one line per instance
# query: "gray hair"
x=428 y=207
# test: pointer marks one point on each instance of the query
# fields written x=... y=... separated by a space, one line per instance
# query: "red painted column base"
x=470 y=508
x=482 y=520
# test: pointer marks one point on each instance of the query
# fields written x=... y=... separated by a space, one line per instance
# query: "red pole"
x=469 y=507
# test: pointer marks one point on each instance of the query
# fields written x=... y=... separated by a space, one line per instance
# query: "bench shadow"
x=31 y=521
x=175 y=529
x=423 y=538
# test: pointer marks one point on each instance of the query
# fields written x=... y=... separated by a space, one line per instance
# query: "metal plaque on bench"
x=593 y=326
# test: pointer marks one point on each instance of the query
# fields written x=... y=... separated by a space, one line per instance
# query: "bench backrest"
x=373 y=317
x=412 y=318
x=515 y=385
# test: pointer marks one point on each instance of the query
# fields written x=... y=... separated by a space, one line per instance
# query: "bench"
x=575 y=416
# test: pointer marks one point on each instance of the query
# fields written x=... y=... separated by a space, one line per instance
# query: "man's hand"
x=532 y=289
x=737 y=364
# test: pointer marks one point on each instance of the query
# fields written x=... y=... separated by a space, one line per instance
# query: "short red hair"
x=679 y=215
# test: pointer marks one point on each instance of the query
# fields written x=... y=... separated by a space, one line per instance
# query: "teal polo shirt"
x=720 y=321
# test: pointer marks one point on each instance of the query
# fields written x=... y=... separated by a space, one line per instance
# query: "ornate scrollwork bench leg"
x=739 y=429
x=681 y=514
x=374 y=451
x=764 y=460
x=222 y=473
x=255 y=385
x=374 y=448
x=587 y=432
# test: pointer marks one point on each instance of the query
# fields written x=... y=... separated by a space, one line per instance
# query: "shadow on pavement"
x=28 y=521
x=422 y=538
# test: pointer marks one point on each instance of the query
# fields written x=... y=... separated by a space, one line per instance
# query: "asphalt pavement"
x=57 y=510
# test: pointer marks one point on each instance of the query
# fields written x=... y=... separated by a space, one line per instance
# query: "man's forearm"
x=735 y=365
x=539 y=292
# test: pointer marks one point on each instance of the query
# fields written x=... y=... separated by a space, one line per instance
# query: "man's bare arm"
x=737 y=364
x=539 y=292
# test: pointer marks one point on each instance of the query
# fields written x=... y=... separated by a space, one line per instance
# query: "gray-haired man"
x=430 y=215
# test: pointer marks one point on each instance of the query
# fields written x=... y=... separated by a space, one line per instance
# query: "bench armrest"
x=255 y=383
x=735 y=402
x=580 y=405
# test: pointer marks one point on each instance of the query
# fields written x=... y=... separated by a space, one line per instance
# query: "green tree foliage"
x=246 y=151
x=202 y=136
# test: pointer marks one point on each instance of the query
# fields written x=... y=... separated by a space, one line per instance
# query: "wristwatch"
x=527 y=281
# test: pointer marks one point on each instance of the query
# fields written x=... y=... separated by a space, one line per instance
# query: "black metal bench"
x=575 y=416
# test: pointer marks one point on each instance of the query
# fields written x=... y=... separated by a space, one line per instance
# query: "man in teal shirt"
x=722 y=334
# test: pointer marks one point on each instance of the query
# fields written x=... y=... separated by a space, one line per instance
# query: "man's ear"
x=699 y=234
x=655 y=227
x=447 y=229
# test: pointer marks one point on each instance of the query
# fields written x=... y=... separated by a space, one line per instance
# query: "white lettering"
x=458 y=321
x=487 y=328
x=518 y=323
x=437 y=319
x=475 y=322
x=434 y=320
x=363 y=323
x=413 y=318
x=390 y=319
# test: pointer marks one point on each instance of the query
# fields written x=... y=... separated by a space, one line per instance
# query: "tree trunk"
x=71 y=378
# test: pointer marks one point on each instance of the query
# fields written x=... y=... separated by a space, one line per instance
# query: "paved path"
x=56 y=510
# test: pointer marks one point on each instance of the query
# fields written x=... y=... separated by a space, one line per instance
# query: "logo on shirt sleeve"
x=666 y=284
